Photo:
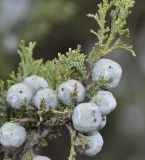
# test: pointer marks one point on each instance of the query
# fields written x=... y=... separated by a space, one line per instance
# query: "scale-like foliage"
x=70 y=65
x=3 y=105
x=27 y=66
x=113 y=36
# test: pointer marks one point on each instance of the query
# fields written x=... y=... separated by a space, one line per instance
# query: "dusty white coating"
x=41 y=158
x=108 y=69
x=12 y=135
x=35 y=83
x=86 y=117
x=18 y=95
x=95 y=144
x=106 y=101
x=67 y=88
x=46 y=96
x=103 y=123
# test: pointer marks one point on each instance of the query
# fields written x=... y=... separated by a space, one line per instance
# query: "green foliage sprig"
x=113 y=36
x=27 y=66
x=44 y=124
x=3 y=107
x=70 y=65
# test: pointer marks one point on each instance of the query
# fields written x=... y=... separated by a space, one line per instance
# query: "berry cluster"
x=88 y=117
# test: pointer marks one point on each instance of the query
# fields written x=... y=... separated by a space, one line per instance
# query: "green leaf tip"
x=113 y=36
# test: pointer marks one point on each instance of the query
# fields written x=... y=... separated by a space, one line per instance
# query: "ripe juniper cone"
x=19 y=95
x=45 y=98
x=108 y=69
x=94 y=145
x=12 y=135
x=69 y=87
x=86 y=117
x=105 y=100
x=35 y=83
x=82 y=107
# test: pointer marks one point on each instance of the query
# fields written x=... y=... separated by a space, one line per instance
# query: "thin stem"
x=73 y=135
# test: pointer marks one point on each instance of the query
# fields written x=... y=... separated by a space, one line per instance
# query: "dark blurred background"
x=57 y=25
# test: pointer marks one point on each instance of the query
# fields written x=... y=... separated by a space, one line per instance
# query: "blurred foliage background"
x=57 y=25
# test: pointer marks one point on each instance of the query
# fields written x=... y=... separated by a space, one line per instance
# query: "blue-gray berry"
x=47 y=97
x=19 y=95
x=86 y=117
x=12 y=135
x=109 y=70
x=66 y=90
x=36 y=83
x=106 y=101
x=95 y=144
